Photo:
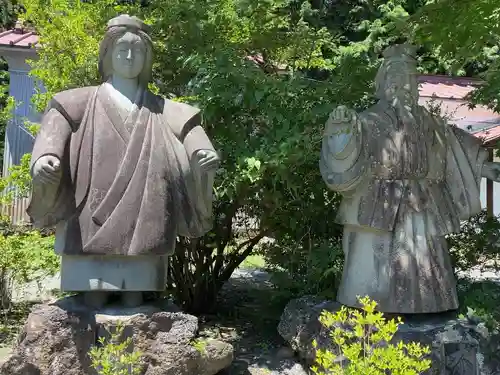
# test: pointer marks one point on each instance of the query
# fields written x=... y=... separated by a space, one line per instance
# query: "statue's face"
x=129 y=56
x=399 y=80
x=402 y=83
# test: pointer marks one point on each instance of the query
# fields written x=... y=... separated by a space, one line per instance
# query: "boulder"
x=57 y=337
x=458 y=346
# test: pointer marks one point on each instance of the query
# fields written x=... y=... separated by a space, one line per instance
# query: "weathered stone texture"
x=458 y=346
x=57 y=337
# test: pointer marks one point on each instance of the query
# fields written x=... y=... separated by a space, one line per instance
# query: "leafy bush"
x=27 y=256
x=480 y=300
x=113 y=356
x=17 y=184
x=8 y=10
x=477 y=245
x=4 y=94
x=297 y=271
x=459 y=33
x=363 y=339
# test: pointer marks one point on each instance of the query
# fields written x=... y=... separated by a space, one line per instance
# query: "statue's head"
x=126 y=50
x=397 y=76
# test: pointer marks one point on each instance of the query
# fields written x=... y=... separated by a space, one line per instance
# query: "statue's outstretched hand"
x=207 y=160
x=47 y=170
x=342 y=120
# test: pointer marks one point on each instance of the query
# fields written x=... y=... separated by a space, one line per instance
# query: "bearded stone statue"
x=407 y=180
x=121 y=172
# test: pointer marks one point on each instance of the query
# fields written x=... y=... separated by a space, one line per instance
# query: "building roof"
x=451 y=93
x=447 y=87
x=18 y=38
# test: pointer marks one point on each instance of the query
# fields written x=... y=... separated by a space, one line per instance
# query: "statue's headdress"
x=400 y=52
x=398 y=59
x=130 y=22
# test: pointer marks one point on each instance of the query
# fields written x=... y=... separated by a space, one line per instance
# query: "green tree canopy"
x=467 y=34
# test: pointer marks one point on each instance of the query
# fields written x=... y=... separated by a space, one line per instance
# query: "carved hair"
x=117 y=28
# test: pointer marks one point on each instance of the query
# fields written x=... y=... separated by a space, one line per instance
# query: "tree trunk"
x=5 y=296
x=197 y=296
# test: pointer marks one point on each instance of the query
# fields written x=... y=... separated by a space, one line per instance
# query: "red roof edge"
x=449 y=80
x=18 y=37
x=3 y=33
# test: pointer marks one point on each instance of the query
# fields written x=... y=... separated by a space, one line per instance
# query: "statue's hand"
x=47 y=170
x=342 y=120
x=207 y=160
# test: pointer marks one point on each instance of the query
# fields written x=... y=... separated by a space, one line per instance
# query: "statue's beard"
x=406 y=110
x=404 y=95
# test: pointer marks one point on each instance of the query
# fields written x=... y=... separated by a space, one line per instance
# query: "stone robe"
x=405 y=187
x=129 y=186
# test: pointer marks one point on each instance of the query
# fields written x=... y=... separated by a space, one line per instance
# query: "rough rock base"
x=57 y=337
x=458 y=346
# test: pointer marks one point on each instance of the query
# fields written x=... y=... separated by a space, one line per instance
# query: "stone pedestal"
x=57 y=337
x=113 y=273
x=458 y=346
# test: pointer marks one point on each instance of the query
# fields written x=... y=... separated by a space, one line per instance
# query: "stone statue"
x=120 y=172
x=407 y=180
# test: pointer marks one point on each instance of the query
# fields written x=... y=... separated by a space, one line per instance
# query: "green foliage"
x=17 y=183
x=299 y=269
x=12 y=319
x=461 y=28
x=8 y=12
x=477 y=245
x=70 y=32
x=113 y=356
x=363 y=339
x=4 y=104
x=466 y=33
x=367 y=25
x=200 y=345
x=8 y=103
x=27 y=256
x=480 y=299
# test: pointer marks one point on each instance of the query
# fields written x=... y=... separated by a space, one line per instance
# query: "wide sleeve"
x=196 y=216
x=464 y=163
x=50 y=204
x=185 y=121
x=342 y=161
